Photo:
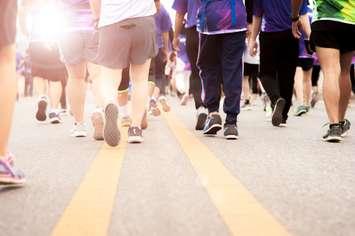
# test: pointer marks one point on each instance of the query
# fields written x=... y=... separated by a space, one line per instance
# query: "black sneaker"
x=345 y=125
x=283 y=123
x=41 y=115
x=54 y=118
x=231 y=132
x=112 y=134
x=277 y=113
x=135 y=135
x=201 y=119
x=213 y=124
x=333 y=134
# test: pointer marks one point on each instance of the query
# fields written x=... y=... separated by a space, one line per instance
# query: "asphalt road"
x=273 y=181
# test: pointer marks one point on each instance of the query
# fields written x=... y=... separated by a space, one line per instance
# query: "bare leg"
x=139 y=77
x=307 y=87
x=344 y=84
x=76 y=89
x=8 y=94
x=246 y=88
x=111 y=79
x=299 y=85
x=55 y=92
x=95 y=76
x=330 y=62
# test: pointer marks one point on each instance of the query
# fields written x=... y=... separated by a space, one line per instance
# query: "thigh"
x=71 y=47
x=8 y=13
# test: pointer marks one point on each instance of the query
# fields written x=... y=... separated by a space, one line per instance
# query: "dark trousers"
x=278 y=62
x=220 y=62
x=192 y=53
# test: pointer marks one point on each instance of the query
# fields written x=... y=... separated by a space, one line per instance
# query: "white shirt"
x=113 y=11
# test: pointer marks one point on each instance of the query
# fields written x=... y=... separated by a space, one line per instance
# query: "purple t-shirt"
x=276 y=14
x=163 y=24
x=190 y=7
x=78 y=14
x=222 y=16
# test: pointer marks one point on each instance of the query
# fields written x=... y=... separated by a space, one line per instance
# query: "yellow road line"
x=241 y=212
x=89 y=211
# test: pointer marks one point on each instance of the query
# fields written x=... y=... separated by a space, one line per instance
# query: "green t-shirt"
x=337 y=10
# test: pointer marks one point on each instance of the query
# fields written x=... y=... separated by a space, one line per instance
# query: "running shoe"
x=54 y=118
x=112 y=134
x=277 y=113
x=246 y=106
x=315 y=98
x=97 y=121
x=283 y=123
x=41 y=114
x=300 y=110
x=164 y=103
x=126 y=121
x=135 y=135
x=79 y=130
x=231 y=132
x=153 y=108
x=9 y=175
x=334 y=133
x=345 y=125
x=213 y=124
x=201 y=118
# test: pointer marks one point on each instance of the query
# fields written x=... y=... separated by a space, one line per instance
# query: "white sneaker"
x=79 y=130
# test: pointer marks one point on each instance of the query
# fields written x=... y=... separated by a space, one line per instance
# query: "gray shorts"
x=131 y=41
x=77 y=47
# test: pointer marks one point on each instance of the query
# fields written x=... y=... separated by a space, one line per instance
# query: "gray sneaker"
x=112 y=134
x=333 y=134
x=135 y=135
x=345 y=125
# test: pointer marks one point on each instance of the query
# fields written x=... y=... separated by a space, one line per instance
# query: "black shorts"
x=251 y=70
x=8 y=14
x=305 y=63
x=46 y=63
x=332 y=34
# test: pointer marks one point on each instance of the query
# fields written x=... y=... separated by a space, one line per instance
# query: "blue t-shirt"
x=222 y=16
x=190 y=7
x=163 y=24
x=276 y=14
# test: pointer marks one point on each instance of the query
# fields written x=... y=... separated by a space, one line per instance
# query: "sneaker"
x=164 y=104
x=333 y=134
x=41 y=114
x=277 y=114
x=153 y=108
x=231 y=132
x=97 y=121
x=201 y=118
x=315 y=98
x=300 y=110
x=126 y=121
x=345 y=125
x=79 y=130
x=54 y=118
x=246 y=106
x=112 y=134
x=144 y=123
x=135 y=135
x=9 y=175
x=213 y=124
x=184 y=100
x=283 y=123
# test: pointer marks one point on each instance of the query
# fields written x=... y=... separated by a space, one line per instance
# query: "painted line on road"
x=89 y=212
x=241 y=212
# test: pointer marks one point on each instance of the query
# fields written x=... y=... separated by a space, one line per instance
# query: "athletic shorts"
x=332 y=34
x=8 y=14
x=132 y=41
x=77 y=47
x=305 y=63
x=45 y=62
x=251 y=70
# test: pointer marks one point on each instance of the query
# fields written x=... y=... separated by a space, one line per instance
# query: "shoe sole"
x=231 y=137
x=10 y=182
x=80 y=135
x=300 y=113
x=41 y=111
x=213 y=130
x=111 y=132
x=98 y=123
x=345 y=134
x=276 y=119
x=55 y=120
x=135 y=139
x=201 y=120
x=334 y=139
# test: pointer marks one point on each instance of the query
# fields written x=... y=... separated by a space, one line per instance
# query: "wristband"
x=295 y=18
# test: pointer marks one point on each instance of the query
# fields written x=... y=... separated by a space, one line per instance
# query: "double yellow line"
x=90 y=210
